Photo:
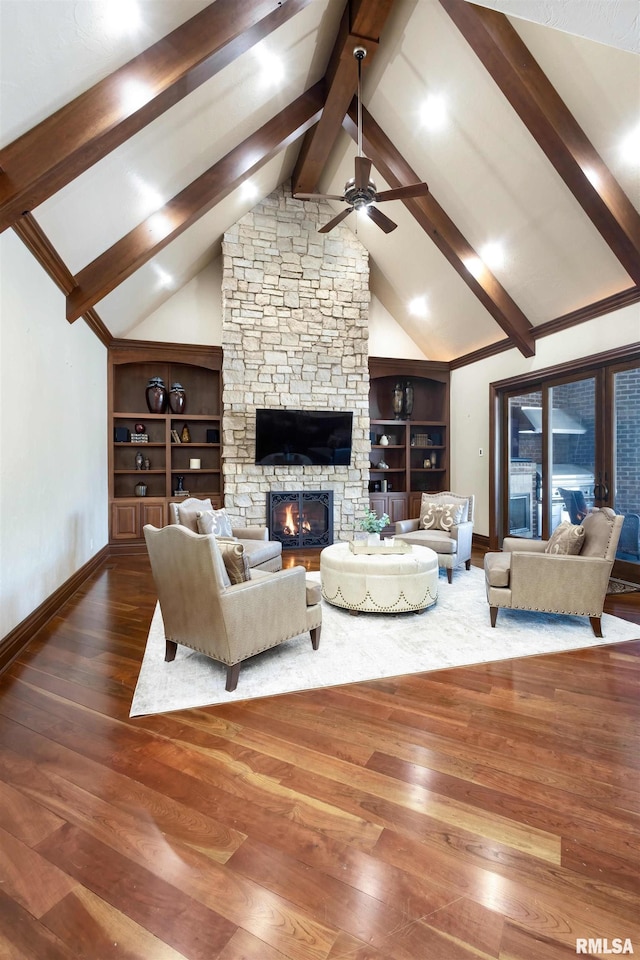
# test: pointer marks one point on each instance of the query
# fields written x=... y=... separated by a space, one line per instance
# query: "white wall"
x=386 y=336
x=192 y=315
x=470 y=394
x=53 y=437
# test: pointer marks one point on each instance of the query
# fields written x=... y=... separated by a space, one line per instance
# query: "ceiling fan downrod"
x=359 y=53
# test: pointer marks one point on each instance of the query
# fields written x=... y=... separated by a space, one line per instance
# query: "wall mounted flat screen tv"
x=300 y=437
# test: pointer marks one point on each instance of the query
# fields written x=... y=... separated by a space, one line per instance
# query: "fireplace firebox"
x=301 y=518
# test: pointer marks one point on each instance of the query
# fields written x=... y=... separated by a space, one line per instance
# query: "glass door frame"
x=600 y=366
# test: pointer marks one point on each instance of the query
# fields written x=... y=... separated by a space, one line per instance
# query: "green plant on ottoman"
x=373 y=524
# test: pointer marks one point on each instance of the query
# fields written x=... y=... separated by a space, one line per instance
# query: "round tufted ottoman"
x=379 y=583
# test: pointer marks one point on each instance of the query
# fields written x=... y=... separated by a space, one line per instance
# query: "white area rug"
x=453 y=632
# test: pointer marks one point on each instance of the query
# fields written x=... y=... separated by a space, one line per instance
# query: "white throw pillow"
x=214 y=521
x=440 y=516
x=447 y=498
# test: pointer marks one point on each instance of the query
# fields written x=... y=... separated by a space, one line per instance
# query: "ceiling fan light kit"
x=360 y=191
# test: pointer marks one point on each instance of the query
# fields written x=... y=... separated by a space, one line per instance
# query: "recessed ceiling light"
x=630 y=147
x=418 y=307
x=492 y=254
x=165 y=280
x=248 y=190
x=433 y=113
x=121 y=17
x=271 y=66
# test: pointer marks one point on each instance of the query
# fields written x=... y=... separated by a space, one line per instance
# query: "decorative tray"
x=357 y=546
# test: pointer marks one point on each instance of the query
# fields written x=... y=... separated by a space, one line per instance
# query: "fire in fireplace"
x=301 y=518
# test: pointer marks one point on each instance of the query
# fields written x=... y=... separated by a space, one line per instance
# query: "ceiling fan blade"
x=379 y=218
x=363 y=172
x=316 y=196
x=336 y=220
x=404 y=193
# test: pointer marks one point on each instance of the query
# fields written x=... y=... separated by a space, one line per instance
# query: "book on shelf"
x=181 y=493
x=175 y=436
x=139 y=438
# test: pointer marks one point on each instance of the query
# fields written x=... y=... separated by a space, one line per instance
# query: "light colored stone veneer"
x=294 y=335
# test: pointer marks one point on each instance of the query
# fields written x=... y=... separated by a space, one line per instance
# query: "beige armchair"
x=452 y=541
x=262 y=553
x=203 y=610
x=525 y=577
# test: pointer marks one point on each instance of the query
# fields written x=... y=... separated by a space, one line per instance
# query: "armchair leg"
x=596 y=626
x=233 y=672
x=450 y=574
x=170 y=650
x=315 y=637
x=467 y=564
x=493 y=613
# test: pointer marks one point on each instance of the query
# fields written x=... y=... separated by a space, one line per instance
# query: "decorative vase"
x=384 y=440
x=373 y=539
x=433 y=461
x=185 y=436
x=156 y=394
x=397 y=400
x=177 y=398
x=141 y=490
x=139 y=461
x=180 y=484
x=408 y=400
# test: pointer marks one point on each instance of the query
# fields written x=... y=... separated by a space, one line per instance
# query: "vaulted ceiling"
x=129 y=145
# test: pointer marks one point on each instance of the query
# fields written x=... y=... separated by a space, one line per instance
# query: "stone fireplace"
x=294 y=335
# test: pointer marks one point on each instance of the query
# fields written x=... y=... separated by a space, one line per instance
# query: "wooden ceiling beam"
x=56 y=151
x=142 y=243
x=37 y=242
x=361 y=26
x=528 y=90
x=444 y=233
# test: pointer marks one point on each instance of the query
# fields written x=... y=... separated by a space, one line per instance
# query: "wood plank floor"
x=488 y=811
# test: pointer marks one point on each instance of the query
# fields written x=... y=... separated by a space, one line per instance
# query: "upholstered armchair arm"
x=463 y=533
x=407 y=526
x=561 y=584
x=513 y=544
x=260 y=613
x=251 y=533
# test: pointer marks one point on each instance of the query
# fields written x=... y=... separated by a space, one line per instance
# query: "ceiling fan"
x=360 y=191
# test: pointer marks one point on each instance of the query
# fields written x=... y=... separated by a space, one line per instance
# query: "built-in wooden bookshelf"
x=198 y=369
x=417 y=452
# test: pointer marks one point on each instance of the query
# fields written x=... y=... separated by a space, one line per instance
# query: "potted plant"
x=373 y=524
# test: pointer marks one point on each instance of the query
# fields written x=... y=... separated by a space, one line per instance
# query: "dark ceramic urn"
x=177 y=398
x=156 y=394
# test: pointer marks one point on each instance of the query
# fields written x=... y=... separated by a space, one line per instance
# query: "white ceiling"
x=483 y=167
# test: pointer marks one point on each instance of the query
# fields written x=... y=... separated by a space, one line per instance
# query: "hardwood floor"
x=483 y=812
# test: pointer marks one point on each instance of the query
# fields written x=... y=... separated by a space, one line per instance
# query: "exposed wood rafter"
x=56 y=151
x=37 y=242
x=142 y=243
x=443 y=231
x=361 y=25
x=554 y=128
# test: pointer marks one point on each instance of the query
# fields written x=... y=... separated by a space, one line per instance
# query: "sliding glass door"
x=621 y=487
x=567 y=444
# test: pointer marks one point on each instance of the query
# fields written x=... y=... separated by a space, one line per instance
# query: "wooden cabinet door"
x=378 y=502
x=415 y=502
x=125 y=521
x=153 y=513
x=397 y=506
